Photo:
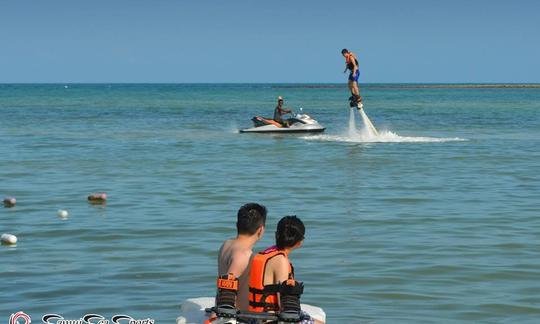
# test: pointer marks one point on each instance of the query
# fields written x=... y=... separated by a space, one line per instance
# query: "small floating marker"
x=8 y=239
x=9 y=202
x=65 y=87
x=62 y=213
x=97 y=198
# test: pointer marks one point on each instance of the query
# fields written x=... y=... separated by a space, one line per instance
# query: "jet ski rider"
x=280 y=111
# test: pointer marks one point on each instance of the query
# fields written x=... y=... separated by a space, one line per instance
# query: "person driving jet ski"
x=280 y=111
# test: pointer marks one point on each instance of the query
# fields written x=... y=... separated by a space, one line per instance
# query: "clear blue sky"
x=268 y=41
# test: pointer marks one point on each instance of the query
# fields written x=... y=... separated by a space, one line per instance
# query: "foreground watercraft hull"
x=274 y=129
x=193 y=311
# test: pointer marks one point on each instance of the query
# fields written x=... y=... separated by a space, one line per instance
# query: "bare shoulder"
x=278 y=269
x=239 y=260
x=227 y=243
x=225 y=255
x=241 y=252
x=279 y=262
x=226 y=246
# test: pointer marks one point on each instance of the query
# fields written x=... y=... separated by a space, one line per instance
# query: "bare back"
x=234 y=257
x=276 y=270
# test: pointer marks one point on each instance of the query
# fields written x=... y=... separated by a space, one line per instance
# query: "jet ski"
x=298 y=123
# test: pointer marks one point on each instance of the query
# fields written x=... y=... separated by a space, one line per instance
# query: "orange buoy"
x=97 y=198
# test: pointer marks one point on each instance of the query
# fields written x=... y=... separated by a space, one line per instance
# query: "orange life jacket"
x=264 y=298
x=348 y=60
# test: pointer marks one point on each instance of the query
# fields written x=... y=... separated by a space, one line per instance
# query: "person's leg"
x=353 y=99
x=357 y=92
x=351 y=86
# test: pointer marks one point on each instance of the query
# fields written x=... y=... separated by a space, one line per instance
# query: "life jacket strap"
x=266 y=306
x=268 y=290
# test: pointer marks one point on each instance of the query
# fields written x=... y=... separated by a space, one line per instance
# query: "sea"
x=435 y=219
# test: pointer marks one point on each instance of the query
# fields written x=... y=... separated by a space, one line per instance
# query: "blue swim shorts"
x=355 y=76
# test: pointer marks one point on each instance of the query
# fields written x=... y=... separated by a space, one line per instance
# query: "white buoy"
x=62 y=213
x=8 y=239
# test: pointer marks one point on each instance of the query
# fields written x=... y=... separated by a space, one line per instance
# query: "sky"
x=183 y=41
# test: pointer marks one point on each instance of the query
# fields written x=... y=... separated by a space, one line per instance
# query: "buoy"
x=9 y=202
x=8 y=239
x=97 y=198
x=62 y=213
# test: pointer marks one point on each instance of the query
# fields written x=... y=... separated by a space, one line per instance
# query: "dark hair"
x=290 y=230
x=250 y=217
x=343 y=51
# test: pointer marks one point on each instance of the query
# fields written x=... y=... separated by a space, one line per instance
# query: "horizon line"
x=270 y=83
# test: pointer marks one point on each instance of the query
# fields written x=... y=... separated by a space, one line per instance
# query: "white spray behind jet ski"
x=299 y=122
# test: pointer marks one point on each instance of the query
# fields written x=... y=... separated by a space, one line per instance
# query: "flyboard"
x=194 y=311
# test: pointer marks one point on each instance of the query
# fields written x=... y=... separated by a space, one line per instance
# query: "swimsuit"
x=355 y=76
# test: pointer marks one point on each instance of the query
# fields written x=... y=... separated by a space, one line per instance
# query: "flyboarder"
x=351 y=64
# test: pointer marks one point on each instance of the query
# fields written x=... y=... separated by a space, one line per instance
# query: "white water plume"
x=367 y=133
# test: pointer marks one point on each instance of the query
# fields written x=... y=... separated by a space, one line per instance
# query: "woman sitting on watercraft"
x=272 y=287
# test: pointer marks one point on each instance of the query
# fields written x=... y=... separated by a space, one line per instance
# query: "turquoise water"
x=439 y=221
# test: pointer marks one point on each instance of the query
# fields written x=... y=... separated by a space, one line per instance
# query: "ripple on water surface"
x=435 y=219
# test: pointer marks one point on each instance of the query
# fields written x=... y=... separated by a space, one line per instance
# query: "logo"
x=14 y=318
x=92 y=319
x=86 y=319
x=121 y=319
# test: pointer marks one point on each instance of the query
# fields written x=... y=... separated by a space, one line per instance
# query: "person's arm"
x=219 y=259
x=281 y=270
x=239 y=263
x=283 y=111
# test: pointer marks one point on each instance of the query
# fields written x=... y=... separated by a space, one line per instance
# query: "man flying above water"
x=351 y=64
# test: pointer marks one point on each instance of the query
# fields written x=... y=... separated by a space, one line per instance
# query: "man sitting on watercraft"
x=351 y=64
x=272 y=286
x=235 y=254
x=280 y=111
